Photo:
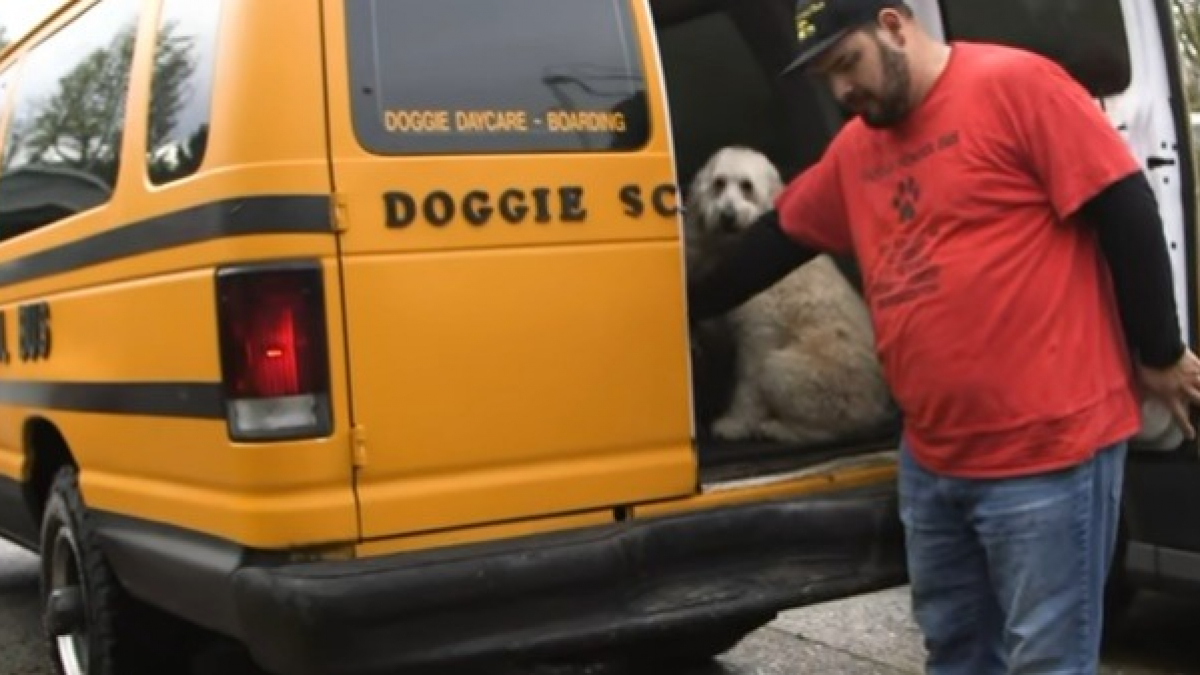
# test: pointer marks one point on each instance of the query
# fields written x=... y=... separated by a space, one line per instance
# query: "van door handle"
x=1159 y=162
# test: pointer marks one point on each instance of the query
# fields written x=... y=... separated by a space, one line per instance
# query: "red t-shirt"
x=993 y=309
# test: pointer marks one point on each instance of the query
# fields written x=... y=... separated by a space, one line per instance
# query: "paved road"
x=869 y=635
x=20 y=649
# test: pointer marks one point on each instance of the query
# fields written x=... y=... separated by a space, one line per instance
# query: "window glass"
x=62 y=153
x=181 y=88
x=5 y=77
x=1086 y=36
x=495 y=76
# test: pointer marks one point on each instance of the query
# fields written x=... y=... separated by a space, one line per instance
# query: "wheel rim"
x=64 y=575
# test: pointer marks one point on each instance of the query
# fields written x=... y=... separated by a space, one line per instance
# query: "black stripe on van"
x=198 y=400
x=275 y=214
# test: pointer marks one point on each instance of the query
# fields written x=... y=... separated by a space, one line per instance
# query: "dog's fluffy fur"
x=806 y=367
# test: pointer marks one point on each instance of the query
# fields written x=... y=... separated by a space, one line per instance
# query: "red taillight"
x=273 y=351
x=269 y=329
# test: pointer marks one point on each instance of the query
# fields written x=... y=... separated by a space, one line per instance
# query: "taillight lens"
x=274 y=352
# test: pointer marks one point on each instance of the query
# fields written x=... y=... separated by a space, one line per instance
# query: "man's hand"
x=1176 y=386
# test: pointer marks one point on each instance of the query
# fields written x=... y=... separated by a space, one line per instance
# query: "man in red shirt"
x=1015 y=268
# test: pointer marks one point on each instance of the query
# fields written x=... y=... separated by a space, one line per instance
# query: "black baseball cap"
x=821 y=23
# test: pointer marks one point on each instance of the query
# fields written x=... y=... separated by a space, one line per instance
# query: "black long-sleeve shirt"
x=1130 y=234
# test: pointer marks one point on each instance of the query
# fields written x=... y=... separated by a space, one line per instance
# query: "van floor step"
x=723 y=462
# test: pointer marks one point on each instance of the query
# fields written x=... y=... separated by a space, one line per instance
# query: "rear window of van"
x=459 y=76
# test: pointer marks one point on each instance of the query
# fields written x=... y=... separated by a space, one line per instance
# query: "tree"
x=3 y=37
x=174 y=65
x=1187 y=31
x=81 y=124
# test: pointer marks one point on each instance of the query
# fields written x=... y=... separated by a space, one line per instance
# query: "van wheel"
x=91 y=626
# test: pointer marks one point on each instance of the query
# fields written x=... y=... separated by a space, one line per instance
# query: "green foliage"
x=173 y=66
x=1187 y=31
x=81 y=124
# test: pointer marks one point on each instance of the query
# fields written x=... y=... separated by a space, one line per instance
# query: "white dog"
x=806 y=368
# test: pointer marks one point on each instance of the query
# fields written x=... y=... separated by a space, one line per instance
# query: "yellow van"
x=355 y=331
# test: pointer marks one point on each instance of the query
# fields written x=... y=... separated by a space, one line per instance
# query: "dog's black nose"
x=727 y=221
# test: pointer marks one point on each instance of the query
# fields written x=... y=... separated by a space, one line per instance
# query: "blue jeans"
x=1008 y=575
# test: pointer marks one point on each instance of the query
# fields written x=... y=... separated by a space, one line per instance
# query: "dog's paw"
x=775 y=430
x=732 y=429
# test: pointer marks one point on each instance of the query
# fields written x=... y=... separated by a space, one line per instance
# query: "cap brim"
x=814 y=51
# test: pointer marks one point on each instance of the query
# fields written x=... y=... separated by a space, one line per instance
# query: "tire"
x=90 y=624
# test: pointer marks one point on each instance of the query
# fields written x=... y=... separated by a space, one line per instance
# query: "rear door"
x=510 y=257
x=1124 y=53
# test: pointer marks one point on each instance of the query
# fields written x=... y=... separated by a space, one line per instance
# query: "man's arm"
x=1130 y=231
x=1055 y=124
x=1131 y=235
x=763 y=255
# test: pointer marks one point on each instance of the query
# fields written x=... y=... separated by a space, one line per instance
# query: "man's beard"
x=893 y=104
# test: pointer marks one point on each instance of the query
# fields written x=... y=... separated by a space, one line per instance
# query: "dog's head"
x=733 y=188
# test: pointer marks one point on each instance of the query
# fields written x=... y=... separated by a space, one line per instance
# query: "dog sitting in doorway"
x=806 y=370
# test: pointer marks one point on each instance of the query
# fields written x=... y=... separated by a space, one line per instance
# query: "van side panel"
x=132 y=382
x=560 y=405
x=12 y=461
x=505 y=370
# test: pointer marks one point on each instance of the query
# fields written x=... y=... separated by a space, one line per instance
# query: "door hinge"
x=341 y=212
x=358 y=445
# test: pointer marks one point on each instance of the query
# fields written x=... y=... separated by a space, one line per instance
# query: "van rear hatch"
x=516 y=336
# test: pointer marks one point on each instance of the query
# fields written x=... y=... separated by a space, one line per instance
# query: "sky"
x=17 y=16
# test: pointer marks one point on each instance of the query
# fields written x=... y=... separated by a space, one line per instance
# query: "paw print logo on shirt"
x=908 y=193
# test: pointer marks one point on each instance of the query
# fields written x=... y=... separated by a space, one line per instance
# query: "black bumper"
x=547 y=596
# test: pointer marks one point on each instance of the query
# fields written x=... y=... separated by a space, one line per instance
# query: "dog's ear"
x=692 y=205
x=772 y=182
x=699 y=182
